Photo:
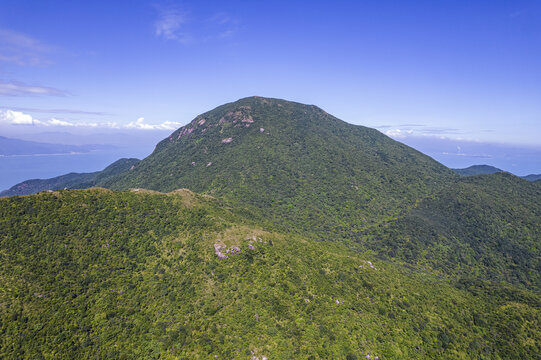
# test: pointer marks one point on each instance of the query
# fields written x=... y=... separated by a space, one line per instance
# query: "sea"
x=15 y=169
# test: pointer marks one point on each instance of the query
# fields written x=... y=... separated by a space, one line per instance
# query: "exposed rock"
x=241 y=115
x=369 y=264
x=247 y=119
x=217 y=250
x=227 y=141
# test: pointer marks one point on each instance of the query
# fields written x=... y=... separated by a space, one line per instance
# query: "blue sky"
x=464 y=70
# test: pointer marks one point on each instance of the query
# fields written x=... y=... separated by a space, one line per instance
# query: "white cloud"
x=398 y=133
x=16 y=118
x=20 y=89
x=56 y=122
x=402 y=131
x=19 y=118
x=169 y=24
x=141 y=125
x=170 y=125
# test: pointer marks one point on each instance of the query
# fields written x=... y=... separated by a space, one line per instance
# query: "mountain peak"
x=254 y=113
x=286 y=157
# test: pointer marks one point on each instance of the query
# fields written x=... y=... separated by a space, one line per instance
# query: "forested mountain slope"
x=102 y=274
x=311 y=173
x=302 y=170
x=299 y=165
x=485 y=226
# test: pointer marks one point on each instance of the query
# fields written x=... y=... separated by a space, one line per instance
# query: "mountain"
x=71 y=180
x=10 y=147
x=295 y=163
x=532 y=177
x=305 y=171
x=309 y=172
x=477 y=170
x=140 y=274
x=487 y=169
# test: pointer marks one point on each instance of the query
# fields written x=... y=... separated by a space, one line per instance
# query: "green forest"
x=102 y=274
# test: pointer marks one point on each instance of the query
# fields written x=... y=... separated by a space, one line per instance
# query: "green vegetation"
x=298 y=165
x=101 y=274
x=477 y=170
x=304 y=171
x=486 y=226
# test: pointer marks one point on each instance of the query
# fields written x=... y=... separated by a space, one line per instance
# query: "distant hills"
x=71 y=180
x=477 y=170
x=305 y=238
x=487 y=169
x=532 y=177
x=11 y=147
